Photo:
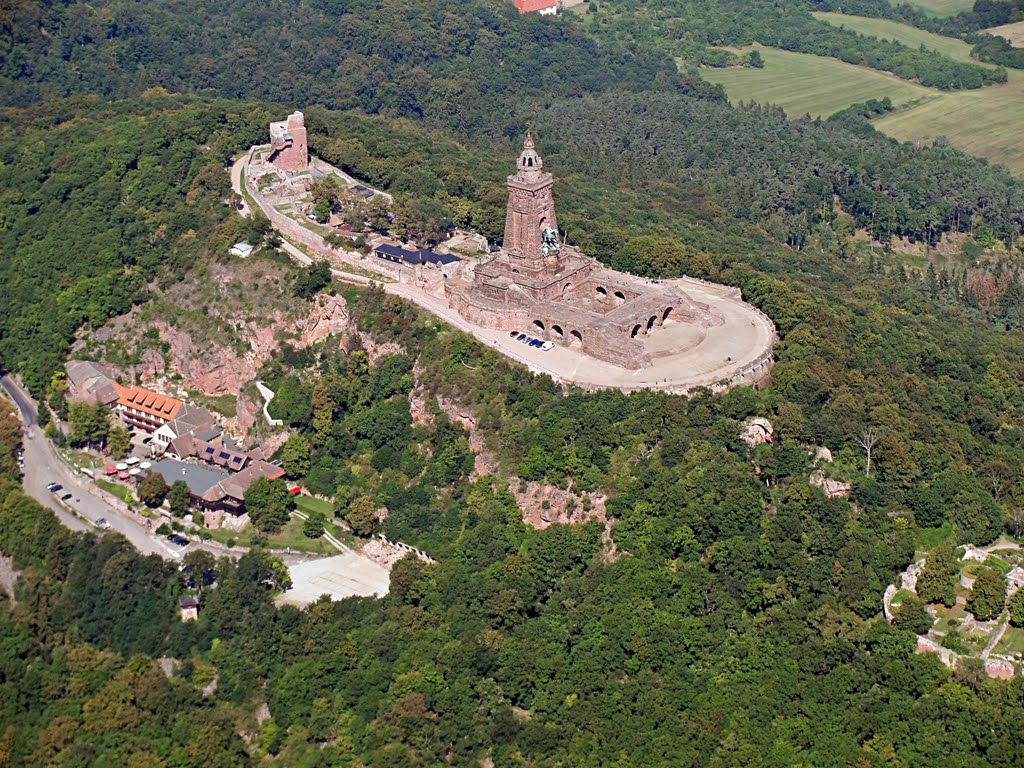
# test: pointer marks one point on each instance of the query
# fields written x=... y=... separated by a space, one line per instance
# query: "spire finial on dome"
x=529 y=161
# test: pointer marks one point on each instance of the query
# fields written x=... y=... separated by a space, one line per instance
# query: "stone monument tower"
x=554 y=292
x=531 y=211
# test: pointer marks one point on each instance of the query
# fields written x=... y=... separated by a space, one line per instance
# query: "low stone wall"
x=406 y=548
x=908 y=580
x=946 y=656
x=887 y=596
x=268 y=395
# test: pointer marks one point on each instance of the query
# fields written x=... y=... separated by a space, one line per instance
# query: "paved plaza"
x=345 y=575
x=726 y=355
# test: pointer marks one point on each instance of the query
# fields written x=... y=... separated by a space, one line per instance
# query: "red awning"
x=123 y=476
x=110 y=471
x=296 y=491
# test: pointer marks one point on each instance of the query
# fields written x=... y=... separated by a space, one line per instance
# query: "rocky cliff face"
x=220 y=369
x=212 y=336
x=541 y=504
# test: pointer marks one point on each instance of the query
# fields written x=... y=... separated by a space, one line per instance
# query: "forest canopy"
x=714 y=609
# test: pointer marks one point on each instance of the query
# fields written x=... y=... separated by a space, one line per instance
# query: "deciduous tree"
x=153 y=489
x=988 y=595
x=361 y=515
x=938 y=579
x=268 y=504
x=295 y=456
x=179 y=498
x=119 y=441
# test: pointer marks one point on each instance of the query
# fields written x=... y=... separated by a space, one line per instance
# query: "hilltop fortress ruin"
x=608 y=329
x=554 y=292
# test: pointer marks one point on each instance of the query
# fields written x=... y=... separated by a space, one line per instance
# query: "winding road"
x=43 y=466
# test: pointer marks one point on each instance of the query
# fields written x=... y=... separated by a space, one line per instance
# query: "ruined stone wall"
x=291 y=155
x=295 y=232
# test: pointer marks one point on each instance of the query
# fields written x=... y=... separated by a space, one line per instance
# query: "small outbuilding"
x=189 y=607
x=242 y=250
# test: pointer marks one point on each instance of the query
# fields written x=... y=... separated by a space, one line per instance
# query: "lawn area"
x=984 y=122
x=122 y=492
x=899 y=597
x=309 y=504
x=1000 y=565
x=1012 y=32
x=225 y=405
x=79 y=460
x=929 y=538
x=941 y=8
x=912 y=37
x=802 y=83
x=1011 y=643
x=289 y=536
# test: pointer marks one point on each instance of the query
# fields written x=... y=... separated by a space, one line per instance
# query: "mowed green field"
x=802 y=83
x=940 y=7
x=912 y=37
x=985 y=122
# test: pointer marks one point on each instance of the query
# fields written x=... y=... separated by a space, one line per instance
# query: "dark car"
x=522 y=337
x=174 y=538
x=65 y=497
x=54 y=487
x=513 y=334
x=535 y=342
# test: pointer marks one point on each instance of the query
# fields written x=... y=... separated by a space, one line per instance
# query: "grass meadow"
x=941 y=8
x=816 y=85
x=1012 y=32
x=912 y=37
x=984 y=122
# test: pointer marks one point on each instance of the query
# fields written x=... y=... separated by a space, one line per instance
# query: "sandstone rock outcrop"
x=213 y=336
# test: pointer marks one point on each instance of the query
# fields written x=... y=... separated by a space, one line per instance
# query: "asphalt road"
x=42 y=467
x=349 y=573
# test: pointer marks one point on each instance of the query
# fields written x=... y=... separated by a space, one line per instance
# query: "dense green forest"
x=98 y=200
x=728 y=615
x=543 y=647
x=410 y=58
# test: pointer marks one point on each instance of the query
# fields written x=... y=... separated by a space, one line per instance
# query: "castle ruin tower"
x=531 y=208
x=288 y=150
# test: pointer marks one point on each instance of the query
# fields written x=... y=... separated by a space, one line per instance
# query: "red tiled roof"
x=151 y=403
x=528 y=6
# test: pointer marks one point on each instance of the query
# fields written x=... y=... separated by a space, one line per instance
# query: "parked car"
x=547 y=345
x=522 y=337
x=54 y=487
x=513 y=334
x=65 y=497
x=174 y=538
x=536 y=342
x=102 y=523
